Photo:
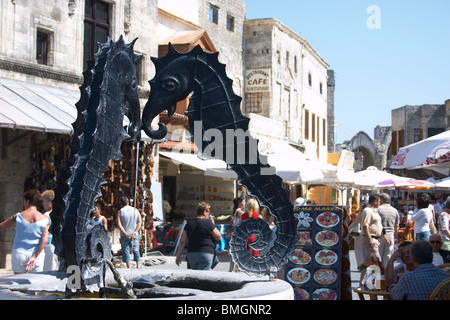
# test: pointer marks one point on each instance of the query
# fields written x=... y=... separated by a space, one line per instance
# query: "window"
x=321 y=88
x=295 y=64
x=310 y=79
x=434 y=131
x=140 y=69
x=214 y=14
x=417 y=135
x=324 y=131
x=253 y=102
x=96 y=27
x=287 y=59
x=394 y=143
x=42 y=47
x=313 y=127
x=278 y=57
x=306 y=124
x=230 y=22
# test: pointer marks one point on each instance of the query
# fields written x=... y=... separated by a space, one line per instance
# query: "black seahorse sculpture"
x=214 y=114
x=109 y=92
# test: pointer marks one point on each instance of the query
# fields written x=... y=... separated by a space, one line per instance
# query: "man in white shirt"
x=440 y=256
x=129 y=223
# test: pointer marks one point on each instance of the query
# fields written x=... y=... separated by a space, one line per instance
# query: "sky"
x=385 y=53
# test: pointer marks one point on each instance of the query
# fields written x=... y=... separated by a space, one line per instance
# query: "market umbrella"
x=292 y=165
x=393 y=184
x=420 y=184
x=432 y=153
x=443 y=184
x=370 y=177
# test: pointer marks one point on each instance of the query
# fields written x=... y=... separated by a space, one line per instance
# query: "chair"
x=406 y=233
x=442 y=291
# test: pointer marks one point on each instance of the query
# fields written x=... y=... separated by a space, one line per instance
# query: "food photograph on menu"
x=314 y=267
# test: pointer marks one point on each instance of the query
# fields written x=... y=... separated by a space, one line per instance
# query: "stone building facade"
x=412 y=123
x=295 y=90
x=222 y=20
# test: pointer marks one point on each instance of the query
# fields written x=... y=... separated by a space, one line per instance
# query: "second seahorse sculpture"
x=220 y=131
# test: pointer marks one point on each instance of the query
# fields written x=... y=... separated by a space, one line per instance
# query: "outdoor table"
x=373 y=294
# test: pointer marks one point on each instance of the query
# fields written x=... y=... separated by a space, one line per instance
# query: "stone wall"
x=418 y=117
x=331 y=87
x=229 y=43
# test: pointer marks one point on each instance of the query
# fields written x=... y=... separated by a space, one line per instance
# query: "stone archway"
x=364 y=158
x=368 y=151
x=365 y=150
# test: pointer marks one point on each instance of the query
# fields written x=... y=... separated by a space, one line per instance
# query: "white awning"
x=290 y=164
x=35 y=107
x=217 y=168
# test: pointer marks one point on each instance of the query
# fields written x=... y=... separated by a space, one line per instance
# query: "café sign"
x=257 y=80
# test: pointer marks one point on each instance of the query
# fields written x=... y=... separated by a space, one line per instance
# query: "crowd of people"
x=201 y=244
x=412 y=268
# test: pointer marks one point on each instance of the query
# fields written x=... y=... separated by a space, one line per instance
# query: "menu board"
x=314 y=268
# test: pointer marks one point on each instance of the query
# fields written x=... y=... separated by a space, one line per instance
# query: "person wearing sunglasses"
x=440 y=256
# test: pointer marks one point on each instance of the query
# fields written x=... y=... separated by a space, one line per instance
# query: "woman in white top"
x=422 y=219
x=31 y=234
x=444 y=226
x=98 y=218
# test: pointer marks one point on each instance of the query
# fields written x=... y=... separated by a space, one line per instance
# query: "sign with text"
x=257 y=80
x=314 y=268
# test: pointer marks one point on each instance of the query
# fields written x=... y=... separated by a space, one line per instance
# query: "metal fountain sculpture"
x=110 y=92
x=215 y=109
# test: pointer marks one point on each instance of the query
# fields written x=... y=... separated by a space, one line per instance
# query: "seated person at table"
x=418 y=284
x=393 y=273
x=440 y=256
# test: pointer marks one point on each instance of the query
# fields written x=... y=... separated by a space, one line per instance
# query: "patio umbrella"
x=292 y=165
x=370 y=177
x=432 y=153
x=443 y=184
x=420 y=184
x=393 y=184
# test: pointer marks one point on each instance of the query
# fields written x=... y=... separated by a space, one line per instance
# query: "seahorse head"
x=173 y=81
x=124 y=69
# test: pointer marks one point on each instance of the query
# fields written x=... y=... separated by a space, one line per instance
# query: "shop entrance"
x=169 y=190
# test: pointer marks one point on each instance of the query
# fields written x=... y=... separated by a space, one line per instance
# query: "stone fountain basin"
x=163 y=284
